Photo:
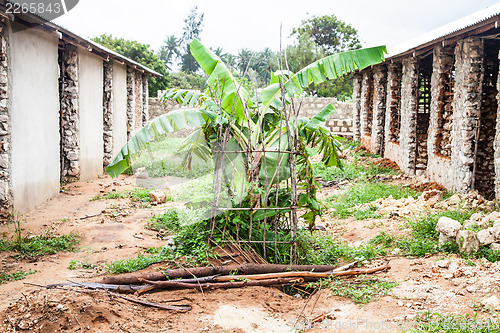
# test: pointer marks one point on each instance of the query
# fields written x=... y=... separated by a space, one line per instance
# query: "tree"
x=193 y=25
x=141 y=53
x=329 y=33
x=252 y=125
x=170 y=51
x=245 y=56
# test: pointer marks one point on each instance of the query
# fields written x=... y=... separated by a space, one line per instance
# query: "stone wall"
x=367 y=104
x=379 y=109
x=393 y=103
x=340 y=123
x=130 y=102
x=409 y=102
x=6 y=201
x=107 y=104
x=441 y=117
x=466 y=106
x=356 y=106
x=69 y=90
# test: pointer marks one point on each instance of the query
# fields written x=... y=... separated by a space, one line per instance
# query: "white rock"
x=445 y=239
x=492 y=302
x=448 y=227
x=158 y=197
x=443 y=263
x=486 y=237
x=495 y=230
x=495 y=246
x=476 y=217
x=141 y=173
x=467 y=241
x=493 y=216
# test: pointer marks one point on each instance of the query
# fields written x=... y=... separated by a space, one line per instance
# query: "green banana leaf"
x=153 y=131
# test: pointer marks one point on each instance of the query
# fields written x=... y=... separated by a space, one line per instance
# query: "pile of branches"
x=219 y=277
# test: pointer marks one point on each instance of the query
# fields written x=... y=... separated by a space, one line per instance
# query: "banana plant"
x=249 y=124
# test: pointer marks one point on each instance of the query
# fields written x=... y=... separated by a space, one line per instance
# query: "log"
x=184 y=273
x=162 y=285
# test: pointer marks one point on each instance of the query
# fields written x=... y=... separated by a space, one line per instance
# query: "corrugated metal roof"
x=455 y=26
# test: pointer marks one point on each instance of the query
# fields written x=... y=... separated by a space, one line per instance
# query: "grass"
x=351 y=172
x=137 y=194
x=40 y=245
x=360 y=290
x=362 y=193
x=75 y=264
x=319 y=249
x=163 y=159
x=166 y=221
x=151 y=256
x=7 y=277
x=424 y=238
x=452 y=323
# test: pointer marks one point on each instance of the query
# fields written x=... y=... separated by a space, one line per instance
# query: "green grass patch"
x=351 y=172
x=361 y=193
x=75 y=264
x=319 y=249
x=137 y=194
x=361 y=290
x=40 y=245
x=7 y=277
x=166 y=221
x=451 y=323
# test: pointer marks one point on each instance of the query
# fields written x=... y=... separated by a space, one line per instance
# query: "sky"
x=258 y=24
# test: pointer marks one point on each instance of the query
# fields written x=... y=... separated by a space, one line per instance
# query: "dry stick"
x=179 y=308
x=300 y=274
x=161 y=285
x=214 y=270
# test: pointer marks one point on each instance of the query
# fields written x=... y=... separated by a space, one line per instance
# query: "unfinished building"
x=64 y=108
x=432 y=106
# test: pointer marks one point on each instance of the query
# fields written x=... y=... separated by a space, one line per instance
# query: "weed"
x=360 y=290
x=166 y=221
x=343 y=204
x=137 y=194
x=6 y=277
x=368 y=213
x=40 y=245
x=435 y=322
x=74 y=264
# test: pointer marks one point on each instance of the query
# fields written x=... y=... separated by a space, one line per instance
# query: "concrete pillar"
x=107 y=103
x=356 y=106
x=379 y=107
x=409 y=104
x=70 y=110
x=466 y=106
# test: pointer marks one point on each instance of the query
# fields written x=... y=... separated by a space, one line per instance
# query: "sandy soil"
x=114 y=229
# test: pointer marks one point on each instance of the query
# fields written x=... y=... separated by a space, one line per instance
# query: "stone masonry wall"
x=130 y=102
x=145 y=96
x=107 y=102
x=379 y=108
x=496 y=144
x=466 y=106
x=409 y=101
x=138 y=112
x=340 y=123
x=6 y=199
x=441 y=117
x=366 y=104
x=356 y=106
x=70 y=111
x=393 y=103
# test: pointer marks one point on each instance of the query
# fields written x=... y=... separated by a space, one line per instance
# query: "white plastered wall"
x=91 y=115
x=119 y=107
x=34 y=116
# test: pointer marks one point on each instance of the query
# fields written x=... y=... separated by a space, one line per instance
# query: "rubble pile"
x=480 y=229
x=430 y=201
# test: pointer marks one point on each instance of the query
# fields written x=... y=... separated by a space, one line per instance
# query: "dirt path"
x=114 y=229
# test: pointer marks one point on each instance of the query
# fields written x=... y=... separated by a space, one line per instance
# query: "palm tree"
x=244 y=58
x=170 y=51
